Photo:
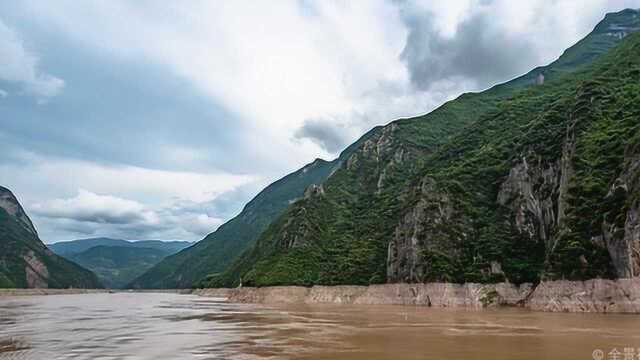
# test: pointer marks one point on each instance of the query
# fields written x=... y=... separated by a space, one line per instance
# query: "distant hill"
x=116 y=266
x=78 y=246
x=25 y=262
x=117 y=262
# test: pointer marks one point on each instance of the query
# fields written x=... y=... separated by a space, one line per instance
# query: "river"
x=173 y=326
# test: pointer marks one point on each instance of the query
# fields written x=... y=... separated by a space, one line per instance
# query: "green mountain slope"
x=76 y=246
x=216 y=251
x=25 y=262
x=519 y=182
x=116 y=266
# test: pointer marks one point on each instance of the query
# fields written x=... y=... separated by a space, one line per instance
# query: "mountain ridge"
x=80 y=245
x=343 y=235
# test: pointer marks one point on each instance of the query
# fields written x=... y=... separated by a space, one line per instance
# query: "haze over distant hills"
x=77 y=246
x=117 y=262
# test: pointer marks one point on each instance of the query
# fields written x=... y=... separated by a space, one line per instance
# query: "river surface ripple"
x=173 y=326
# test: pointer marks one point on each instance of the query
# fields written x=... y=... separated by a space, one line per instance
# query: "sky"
x=160 y=120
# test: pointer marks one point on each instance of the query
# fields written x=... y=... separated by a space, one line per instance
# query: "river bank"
x=45 y=291
x=596 y=296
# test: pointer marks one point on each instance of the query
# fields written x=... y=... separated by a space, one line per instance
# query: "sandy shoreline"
x=596 y=296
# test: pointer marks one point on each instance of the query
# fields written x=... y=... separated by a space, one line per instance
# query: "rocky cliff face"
x=25 y=262
x=434 y=227
x=621 y=235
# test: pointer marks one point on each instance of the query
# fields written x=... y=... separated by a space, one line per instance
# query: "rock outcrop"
x=427 y=230
x=621 y=234
x=598 y=295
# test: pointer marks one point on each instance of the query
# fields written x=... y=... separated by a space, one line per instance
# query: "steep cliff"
x=25 y=262
x=517 y=183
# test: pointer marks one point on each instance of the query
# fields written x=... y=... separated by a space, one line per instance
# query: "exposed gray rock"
x=529 y=191
x=598 y=295
x=426 y=227
x=313 y=190
x=11 y=205
x=36 y=271
x=623 y=239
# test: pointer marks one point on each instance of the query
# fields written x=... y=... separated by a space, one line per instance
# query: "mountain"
x=116 y=266
x=537 y=178
x=218 y=249
x=117 y=262
x=77 y=246
x=25 y=262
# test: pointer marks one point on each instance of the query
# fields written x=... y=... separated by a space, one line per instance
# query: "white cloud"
x=18 y=65
x=90 y=207
x=94 y=214
x=69 y=199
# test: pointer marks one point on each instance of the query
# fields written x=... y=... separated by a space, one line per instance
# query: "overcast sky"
x=160 y=120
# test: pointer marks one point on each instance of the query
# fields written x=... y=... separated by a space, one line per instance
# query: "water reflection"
x=172 y=326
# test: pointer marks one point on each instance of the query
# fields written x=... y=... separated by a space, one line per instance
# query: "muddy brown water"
x=173 y=326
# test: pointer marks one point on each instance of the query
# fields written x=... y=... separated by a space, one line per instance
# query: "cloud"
x=90 y=207
x=94 y=214
x=479 y=51
x=322 y=132
x=302 y=61
x=20 y=66
x=480 y=43
x=68 y=199
x=174 y=111
x=3 y=93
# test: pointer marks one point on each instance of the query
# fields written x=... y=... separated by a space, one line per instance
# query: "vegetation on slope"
x=468 y=149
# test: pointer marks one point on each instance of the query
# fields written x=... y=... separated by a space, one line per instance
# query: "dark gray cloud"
x=112 y=112
x=480 y=51
x=330 y=137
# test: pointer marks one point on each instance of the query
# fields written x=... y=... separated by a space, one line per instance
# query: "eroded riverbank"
x=598 y=295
